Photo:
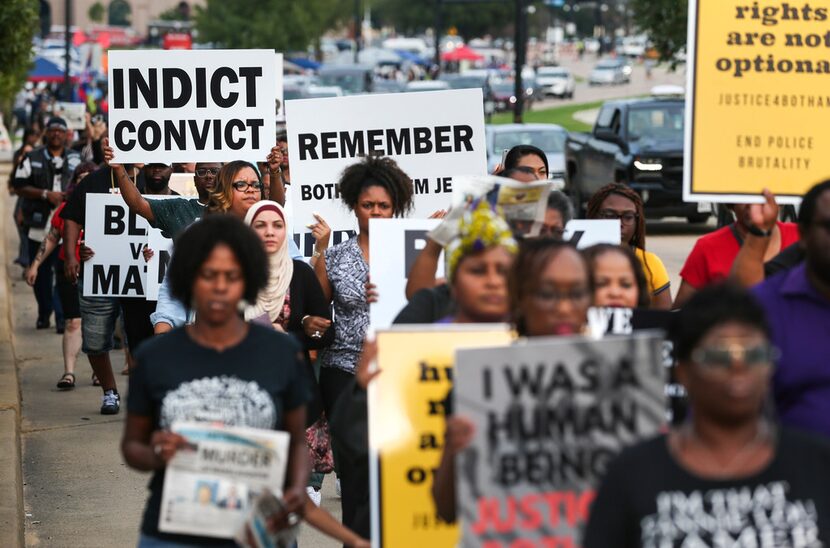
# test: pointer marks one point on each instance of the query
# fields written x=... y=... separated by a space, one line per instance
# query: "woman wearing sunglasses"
x=729 y=476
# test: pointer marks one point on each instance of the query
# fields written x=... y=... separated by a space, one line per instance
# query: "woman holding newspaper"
x=219 y=370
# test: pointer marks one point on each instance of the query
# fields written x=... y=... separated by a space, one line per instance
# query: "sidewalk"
x=11 y=482
x=73 y=488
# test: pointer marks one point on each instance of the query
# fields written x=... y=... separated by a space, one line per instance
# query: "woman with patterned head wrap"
x=478 y=263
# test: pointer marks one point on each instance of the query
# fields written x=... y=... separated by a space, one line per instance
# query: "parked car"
x=351 y=79
x=556 y=81
x=550 y=138
x=382 y=85
x=610 y=71
x=473 y=80
x=638 y=142
x=317 y=92
x=427 y=85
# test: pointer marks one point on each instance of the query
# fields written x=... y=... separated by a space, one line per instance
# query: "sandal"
x=67 y=382
x=95 y=381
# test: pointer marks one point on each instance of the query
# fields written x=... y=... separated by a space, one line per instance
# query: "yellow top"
x=656 y=273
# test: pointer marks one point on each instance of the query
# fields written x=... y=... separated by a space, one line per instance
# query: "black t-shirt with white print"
x=647 y=499
x=252 y=384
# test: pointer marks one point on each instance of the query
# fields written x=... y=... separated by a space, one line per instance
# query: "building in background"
x=134 y=13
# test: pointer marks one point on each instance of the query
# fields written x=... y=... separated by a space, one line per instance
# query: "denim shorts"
x=98 y=316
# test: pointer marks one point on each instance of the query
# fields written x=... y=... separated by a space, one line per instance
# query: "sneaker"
x=42 y=324
x=315 y=495
x=337 y=488
x=110 y=403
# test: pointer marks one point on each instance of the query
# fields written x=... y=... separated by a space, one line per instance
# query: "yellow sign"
x=406 y=428
x=759 y=100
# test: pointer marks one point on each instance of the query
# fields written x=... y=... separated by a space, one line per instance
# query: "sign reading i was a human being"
x=117 y=237
x=549 y=416
x=757 y=108
x=407 y=422
x=433 y=137
x=193 y=105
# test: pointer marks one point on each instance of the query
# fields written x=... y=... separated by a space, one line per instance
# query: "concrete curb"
x=11 y=480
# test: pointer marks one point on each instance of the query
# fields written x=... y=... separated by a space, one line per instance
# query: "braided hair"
x=377 y=171
x=638 y=241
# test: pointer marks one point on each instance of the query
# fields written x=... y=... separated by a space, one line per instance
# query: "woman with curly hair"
x=375 y=188
x=616 y=201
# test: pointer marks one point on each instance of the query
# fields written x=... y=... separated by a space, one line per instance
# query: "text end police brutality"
x=174 y=88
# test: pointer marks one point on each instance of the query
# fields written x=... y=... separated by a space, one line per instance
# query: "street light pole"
x=520 y=47
x=357 y=31
x=67 y=85
x=439 y=26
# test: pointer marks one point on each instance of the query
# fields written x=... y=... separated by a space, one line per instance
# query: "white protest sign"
x=73 y=113
x=117 y=237
x=157 y=265
x=183 y=184
x=193 y=105
x=584 y=233
x=433 y=136
x=396 y=243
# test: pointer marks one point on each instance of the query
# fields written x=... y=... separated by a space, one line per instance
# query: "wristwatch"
x=755 y=231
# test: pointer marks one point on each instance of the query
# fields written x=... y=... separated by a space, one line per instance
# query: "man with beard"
x=41 y=180
x=797 y=303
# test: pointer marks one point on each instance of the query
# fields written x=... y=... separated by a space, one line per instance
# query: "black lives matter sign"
x=549 y=417
x=186 y=106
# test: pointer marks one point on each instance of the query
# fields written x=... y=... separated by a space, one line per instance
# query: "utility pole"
x=439 y=30
x=520 y=47
x=357 y=31
x=67 y=84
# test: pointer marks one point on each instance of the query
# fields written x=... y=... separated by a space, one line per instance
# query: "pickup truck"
x=638 y=142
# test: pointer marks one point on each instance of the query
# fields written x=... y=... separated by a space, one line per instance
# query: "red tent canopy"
x=462 y=53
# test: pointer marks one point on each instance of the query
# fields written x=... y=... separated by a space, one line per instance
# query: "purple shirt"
x=800 y=320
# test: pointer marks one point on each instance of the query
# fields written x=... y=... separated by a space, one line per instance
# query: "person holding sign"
x=618 y=201
x=729 y=475
x=374 y=188
x=220 y=369
x=617 y=277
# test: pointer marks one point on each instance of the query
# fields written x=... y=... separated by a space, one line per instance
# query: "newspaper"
x=522 y=205
x=210 y=488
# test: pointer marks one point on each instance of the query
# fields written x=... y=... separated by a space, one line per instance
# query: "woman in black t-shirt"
x=219 y=369
x=729 y=476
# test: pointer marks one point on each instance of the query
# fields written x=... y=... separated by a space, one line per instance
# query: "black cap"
x=56 y=121
x=148 y=164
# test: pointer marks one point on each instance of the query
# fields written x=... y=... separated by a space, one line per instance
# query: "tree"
x=96 y=12
x=119 y=13
x=471 y=20
x=284 y=25
x=18 y=24
x=665 y=22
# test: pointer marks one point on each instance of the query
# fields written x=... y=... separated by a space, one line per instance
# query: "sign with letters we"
x=433 y=137
x=193 y=106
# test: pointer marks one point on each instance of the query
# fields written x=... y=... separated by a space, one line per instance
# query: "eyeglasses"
x=722 y=357
x=204 y=171
x=548 y=298
x=627 y=217
x=243 y=186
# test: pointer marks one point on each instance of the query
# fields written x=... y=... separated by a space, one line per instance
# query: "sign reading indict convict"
x=193 y=105
x=433 y=136
x=549 y=416
x=757 y=110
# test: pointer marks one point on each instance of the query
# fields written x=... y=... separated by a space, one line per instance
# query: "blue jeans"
x=98 y=316
x=146 y=541
x=45 y=293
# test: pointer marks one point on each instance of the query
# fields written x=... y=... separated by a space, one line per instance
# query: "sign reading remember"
x=433 y=136
x=757 y=111
x=193 y=106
